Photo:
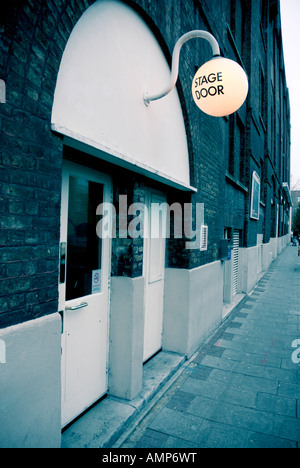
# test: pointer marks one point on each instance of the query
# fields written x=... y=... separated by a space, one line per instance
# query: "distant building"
x=81 y=311
x=295 y=197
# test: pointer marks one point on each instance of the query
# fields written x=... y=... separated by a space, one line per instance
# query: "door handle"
x=79 y=306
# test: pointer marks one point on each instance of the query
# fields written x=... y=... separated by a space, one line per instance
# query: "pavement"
x=241 y=389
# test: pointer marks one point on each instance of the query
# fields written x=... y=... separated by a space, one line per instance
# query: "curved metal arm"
x=175 y=60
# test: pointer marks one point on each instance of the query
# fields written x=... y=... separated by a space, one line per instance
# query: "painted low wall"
x=249 y=272
x=248 y=267
x=193 y=306
x=30 y=383
x=278 y=244
x=126 y=337
x=266 y=256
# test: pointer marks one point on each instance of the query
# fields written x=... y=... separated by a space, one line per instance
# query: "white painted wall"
x=273 y=247
x=227 y=279
x=126 y=337
x=267 y=256
x=110 y=60
x=193 y=306
x=248 y=261
x=30 y=414
x=247 y=275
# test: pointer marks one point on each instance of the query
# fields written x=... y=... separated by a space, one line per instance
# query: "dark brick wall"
x=33 y=36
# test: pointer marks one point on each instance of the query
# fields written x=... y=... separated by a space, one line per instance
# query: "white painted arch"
x=110 y=60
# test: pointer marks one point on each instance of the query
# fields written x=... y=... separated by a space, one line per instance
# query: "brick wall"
x=33 y=36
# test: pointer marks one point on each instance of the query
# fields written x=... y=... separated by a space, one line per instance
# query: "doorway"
x=154 y=271
x=85 y=259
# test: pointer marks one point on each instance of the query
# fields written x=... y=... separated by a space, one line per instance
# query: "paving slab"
x=103 y=424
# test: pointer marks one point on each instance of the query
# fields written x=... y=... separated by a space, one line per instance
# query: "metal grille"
x=235 y=260
x=203 y=238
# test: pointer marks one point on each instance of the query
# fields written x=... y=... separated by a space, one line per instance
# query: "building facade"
x=127 y=229
x=295 y=197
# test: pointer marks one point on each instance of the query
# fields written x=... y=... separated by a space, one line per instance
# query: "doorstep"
x=105 y=422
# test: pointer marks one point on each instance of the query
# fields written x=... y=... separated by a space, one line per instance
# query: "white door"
x=154 y=269
x=83 y=290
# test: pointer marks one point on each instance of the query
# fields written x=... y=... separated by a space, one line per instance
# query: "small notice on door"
x=96 y=281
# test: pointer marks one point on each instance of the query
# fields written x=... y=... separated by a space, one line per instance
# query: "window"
x=236 y=147
x=255 y=196
x=84 y=246
x=262 y=97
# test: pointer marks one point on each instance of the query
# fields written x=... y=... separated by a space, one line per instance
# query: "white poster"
x=255 y=196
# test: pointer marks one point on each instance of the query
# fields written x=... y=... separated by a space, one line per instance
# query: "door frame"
x=146 y=257
x=77 y=169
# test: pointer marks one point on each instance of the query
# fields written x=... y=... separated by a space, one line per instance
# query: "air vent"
x=203 y=237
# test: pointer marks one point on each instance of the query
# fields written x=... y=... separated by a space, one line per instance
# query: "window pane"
x=84 y=246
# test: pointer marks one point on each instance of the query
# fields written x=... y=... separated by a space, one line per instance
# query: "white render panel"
x=30 y=384
x=126 y=337
x=111 y=59
x=193 y=306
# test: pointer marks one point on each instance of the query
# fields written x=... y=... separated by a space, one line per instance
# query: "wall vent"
x=203 y=237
